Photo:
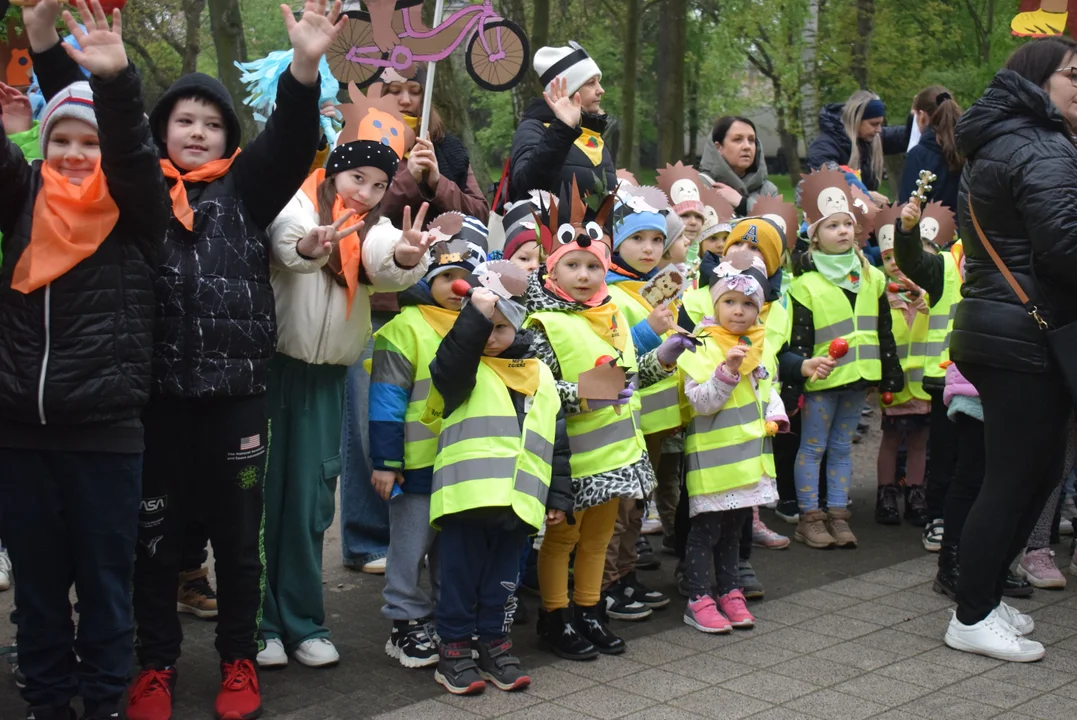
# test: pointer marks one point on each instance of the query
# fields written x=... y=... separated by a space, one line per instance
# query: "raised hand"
x=102 y=50
x=484 y=301
x=40 y=21
x=15 y=107
x=423 y=162
x=413 y=242
x=320 y=241
x=311 y=36
x=910 y=216
x=661 y=319
x=566 y=109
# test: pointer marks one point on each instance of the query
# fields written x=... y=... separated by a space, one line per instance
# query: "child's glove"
x=622 y=399
x=672 y=347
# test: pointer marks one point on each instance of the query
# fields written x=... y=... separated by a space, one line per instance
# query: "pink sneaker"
x=1038 y=566
x=703 y=615
x=735 y=608
x=764 y=537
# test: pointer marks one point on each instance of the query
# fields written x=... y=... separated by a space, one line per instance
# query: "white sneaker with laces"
x=374 y=567
x=317 y=652
x=273 y=656
x=5 y=571
x=994 y=638
x=1021 y=623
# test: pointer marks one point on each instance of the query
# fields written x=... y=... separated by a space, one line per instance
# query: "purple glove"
x=622 y=399
x=672 y=347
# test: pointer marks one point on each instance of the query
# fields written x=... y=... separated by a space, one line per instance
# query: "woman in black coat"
x=1021 y=178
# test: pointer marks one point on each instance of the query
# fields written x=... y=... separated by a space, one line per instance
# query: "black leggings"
x=1025 y=418
x=712 y=552
x=968 y=479
x=941 y=456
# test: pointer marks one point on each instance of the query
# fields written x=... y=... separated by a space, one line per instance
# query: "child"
x=639 y=240
x=906 y=418
x=329 y=239
x=843 y=297
x=81 y=233
x=576 y=325
x=402 y=449
x=524 y=237
x=502 y=468
x=681 y=185
x=735 y=409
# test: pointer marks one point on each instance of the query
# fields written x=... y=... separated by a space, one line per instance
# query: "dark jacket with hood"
x=927 y=155
x=1022 y=168
x=75 y=354
x=545 y=158
x=453 y=371
x=833 y=144
x=713 y=169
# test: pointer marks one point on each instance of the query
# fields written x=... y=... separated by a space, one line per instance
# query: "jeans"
x=829 y=420
x=364 y=516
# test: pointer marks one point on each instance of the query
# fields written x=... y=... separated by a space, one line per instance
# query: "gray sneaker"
x=749 y=582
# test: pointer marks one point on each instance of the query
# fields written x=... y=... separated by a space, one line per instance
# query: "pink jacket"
x=956 y=384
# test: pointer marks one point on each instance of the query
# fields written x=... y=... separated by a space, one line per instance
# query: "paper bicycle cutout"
x=498 y=53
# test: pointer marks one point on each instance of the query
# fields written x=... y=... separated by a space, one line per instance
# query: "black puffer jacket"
x=216 y=326
x=76 y=353
x=453 y=372
x=545 y=158
x=1022 y=171
x=834 y=145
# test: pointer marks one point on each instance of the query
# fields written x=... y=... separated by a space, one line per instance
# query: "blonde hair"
x=852 y=114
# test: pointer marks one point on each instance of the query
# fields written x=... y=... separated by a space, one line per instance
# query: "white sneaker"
x=5 y=571
x=317 y=652
x=273 y=656
x=1065 y=526
x=374 y=567
x=1021 y=623
x=994 y=638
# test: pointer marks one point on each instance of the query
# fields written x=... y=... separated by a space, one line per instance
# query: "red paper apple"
x=838 y=348
x=887 y=398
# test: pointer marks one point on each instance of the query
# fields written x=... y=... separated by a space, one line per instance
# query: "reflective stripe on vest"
x=912 y=352
x=486 y=460
x=942 y=319
x=601 y=440
x=659 y=402
x=413 y=337
x=728 y=449
x=835 y=318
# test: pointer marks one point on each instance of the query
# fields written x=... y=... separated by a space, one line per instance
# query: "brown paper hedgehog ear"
x=783 y=214
x=937 y=224
x=502 y=278
x=824 y=193
x=545 y=215
x=885 y=220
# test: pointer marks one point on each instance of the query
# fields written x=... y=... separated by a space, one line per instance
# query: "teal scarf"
x=842 y=270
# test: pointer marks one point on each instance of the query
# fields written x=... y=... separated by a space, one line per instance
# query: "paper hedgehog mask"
x=937 y=224
x=781 y=213
x=682 y=184
x=570 y=219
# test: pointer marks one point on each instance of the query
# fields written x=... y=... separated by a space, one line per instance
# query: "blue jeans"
x=364 y=516
x=828 y=423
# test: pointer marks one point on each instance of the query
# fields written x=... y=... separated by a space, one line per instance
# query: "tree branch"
x=159 y=77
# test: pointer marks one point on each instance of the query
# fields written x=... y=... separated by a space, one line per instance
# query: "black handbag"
x=1061 y=342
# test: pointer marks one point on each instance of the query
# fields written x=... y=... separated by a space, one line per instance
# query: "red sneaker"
x=240 y=697
x=151 y=695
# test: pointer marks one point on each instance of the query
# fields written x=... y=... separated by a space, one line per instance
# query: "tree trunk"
x=226 y=24
x=529 y=87
x=671 y=122
x=809 y=98
x=693 y=108
x=989 y=27
x=192 y=16
x=451 y=97
x=628 y=155
x=786 y=137
x=865 y=20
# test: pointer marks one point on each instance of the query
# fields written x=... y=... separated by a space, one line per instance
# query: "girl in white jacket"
x=330 y=251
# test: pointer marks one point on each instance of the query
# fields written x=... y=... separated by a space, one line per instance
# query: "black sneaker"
x=457 y=671
x=933 y=534
x=633 y=589
x=50 y=712
x=645 y=555
x=107 y=711
x=946 y=578
x=1016 y=586
x=749 y=582
x=886 y=506
x=498 y=666
x=916 y=506
x=789 y=511
x=413 y=642
x=558 y=634
x=621 y=606
x=592 y=623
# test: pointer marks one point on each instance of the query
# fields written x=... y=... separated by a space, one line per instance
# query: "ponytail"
x=944 y=112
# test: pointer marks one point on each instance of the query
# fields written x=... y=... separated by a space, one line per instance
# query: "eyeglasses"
x=1070 y=72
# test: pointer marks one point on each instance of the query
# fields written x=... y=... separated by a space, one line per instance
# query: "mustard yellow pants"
x=589 y=536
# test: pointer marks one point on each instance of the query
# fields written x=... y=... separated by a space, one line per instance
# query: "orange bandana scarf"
x=69 y=223
x=207 y=173
x=351 y=255
x=726 y=340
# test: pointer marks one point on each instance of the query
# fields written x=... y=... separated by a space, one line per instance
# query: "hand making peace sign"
x=413 y=243
x=320 y=241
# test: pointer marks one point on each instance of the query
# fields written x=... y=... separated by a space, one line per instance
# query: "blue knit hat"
x=638 y=209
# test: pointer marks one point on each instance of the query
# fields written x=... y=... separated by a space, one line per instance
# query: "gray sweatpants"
x=411 y=541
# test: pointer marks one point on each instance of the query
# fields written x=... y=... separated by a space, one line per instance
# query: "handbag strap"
x=1031 y=309
x=502 y=185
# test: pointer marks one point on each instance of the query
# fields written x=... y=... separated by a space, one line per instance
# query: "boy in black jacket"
x=215 y=333
x=76 y=334
x=495 y=481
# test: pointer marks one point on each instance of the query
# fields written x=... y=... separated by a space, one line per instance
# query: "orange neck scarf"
x=69 y=223
x=351 y=255
x=207 y=173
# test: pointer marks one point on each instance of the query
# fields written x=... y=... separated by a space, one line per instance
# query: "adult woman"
x=734 y=164
x=854 y=134
x=935 y=113
x=1020 y=179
